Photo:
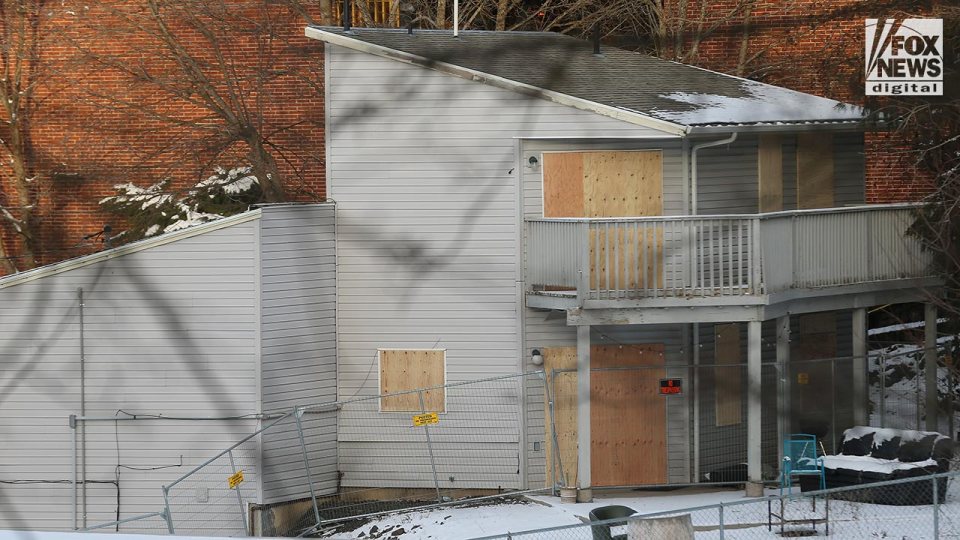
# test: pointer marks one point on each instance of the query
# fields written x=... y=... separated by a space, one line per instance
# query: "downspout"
x=83 y=413
x=693 y=167
x=696 y=326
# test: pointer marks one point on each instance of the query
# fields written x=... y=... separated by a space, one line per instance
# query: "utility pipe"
x=456 y=18
x=83 y=411
x=693 y=167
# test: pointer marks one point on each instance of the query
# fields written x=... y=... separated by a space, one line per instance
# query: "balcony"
x=724 y=260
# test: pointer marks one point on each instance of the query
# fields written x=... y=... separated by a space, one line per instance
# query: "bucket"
x=568 y=494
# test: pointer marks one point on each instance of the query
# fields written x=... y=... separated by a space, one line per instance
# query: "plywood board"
x=770 y=173
x=815 y=184
x=623 y=184
x=563 y=185
x=402 y=370
x=628 y=416
x=563 y=390
x=728 y=381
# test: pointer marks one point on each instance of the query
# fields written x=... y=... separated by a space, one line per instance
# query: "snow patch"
x=872 y=464
x=762 y=103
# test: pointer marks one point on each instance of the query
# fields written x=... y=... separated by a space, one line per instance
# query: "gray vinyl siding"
x=673 y=188
x=543 y=330
x=171 y=329
x=299 y=357
x=423 y=168
x=727 y=181
x=848 y=169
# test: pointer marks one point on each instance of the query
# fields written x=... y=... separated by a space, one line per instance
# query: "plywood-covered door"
x=627 y=420
x=608 y=185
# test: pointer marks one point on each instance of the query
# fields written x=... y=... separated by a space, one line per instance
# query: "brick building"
x=113 y=105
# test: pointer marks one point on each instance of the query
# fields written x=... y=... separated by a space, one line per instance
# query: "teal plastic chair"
x=800 y=458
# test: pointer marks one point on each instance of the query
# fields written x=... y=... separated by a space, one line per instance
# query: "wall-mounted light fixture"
x=533 y=162
x=536 y=357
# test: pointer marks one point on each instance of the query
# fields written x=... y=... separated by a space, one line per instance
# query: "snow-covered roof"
x=555 y=66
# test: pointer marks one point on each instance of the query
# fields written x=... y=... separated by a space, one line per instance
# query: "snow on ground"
x=540 y=511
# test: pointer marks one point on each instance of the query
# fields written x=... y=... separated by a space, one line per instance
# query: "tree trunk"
x=264 y=167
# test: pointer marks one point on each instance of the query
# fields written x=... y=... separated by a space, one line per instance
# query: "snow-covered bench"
x=867 y=455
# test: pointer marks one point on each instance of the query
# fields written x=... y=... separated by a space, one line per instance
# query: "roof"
x=626 y=81
x=126 y=249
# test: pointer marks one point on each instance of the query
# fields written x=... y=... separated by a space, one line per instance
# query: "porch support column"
x=859 y=394
x=784 y=382
x=585 y=494
x=754 y=406
x=930 y=364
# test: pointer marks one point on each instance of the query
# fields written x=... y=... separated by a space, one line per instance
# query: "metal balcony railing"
x=722 y=255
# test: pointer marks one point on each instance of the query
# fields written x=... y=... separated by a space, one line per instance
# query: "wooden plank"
x=628 y=416
x=728 y=381
x=402 y=370
x=563 y=184
x=563 y=389
x=624 y=184
x=770 y=173
x=815 y=183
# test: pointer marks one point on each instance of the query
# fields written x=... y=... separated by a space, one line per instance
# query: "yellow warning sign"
x=425 y=419
x=803 y=378
x=235 y=479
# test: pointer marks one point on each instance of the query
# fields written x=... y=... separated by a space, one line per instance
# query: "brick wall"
x=814 y=46
x=87 y=133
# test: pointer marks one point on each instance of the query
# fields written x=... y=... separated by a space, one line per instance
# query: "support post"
x=859 y=394
x=930 y=365
x=754 y=407
x=783 y=378
x=584 y=493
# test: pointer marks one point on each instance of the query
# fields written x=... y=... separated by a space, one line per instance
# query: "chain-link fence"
x=926 y=507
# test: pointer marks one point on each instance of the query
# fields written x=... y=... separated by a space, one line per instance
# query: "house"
x=169 y=350
x=499 y=201
x=506 y=194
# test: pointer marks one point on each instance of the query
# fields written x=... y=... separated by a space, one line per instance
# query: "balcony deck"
x=828 y=258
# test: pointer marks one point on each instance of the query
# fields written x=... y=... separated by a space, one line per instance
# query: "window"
x=402 y=370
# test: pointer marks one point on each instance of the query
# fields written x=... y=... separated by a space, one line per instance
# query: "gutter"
x=693 y=167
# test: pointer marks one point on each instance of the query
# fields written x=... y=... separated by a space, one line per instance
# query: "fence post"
x=297 y=413
x=936 y=509
x=433 y=463
x=553 y=431
x=243 y=512
x=166 y=510
x=721 y=521
x=883 y=389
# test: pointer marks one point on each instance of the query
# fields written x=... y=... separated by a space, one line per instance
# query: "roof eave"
x=126 y=249
x=792 y=127
x=624 y=115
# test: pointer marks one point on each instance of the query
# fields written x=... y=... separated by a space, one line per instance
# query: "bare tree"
x=215 y=76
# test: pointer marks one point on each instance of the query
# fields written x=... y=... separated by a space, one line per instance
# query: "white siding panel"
x=423 y=169
x=299 y=359
x=171 y=329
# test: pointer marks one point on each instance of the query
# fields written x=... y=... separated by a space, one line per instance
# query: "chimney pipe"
x=346 y=15
x=596 y=38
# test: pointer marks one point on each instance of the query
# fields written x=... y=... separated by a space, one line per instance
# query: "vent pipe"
x=346 y=15
x=456 y=18
x=596 y=38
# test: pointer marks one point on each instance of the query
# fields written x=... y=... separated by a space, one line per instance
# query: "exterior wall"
x=543 y=330
x=424 y=169
x=674 y=189
x=168 y=330
x=298 y=340
x=728 y=181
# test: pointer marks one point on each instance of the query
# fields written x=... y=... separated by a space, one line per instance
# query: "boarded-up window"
x=814 y=170
x=770 y=172
x=404 y=370
x=728 y=380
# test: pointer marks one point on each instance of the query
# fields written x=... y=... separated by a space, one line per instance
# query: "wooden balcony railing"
x=724 y=255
